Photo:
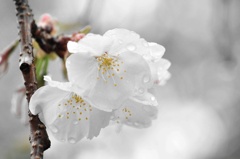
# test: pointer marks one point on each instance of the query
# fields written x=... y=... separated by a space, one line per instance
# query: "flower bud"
x=48 y=23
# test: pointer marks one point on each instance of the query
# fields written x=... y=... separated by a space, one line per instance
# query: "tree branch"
x=38 y=136
x=48 y=43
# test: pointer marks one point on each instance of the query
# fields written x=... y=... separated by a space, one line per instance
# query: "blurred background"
x=199 y=107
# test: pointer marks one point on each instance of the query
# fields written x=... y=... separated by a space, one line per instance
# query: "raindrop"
x=131 y=47
x=53 y=128
x=75 y=122
x=71 y=140
x=153 y=98
x=141 y=90
x=146 y=79
x=136 y=124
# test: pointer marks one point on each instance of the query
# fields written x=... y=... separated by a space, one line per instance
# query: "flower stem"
x=38 y=136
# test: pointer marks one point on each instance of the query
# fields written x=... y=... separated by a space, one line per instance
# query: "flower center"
x=108 y=67
x=123 y=115
x=74 y=108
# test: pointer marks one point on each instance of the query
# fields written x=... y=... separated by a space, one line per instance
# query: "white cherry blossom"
x=66 y=114
x=110 y=72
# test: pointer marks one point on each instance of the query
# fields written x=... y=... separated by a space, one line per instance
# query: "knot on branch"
x=25 y=68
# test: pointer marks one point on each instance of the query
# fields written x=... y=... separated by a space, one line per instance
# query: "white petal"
x=109 y=92
x=157 y=51
x=67 y=115
x=69 y=127
x=159 y=71
x=122 y=34
x=125 y=40
x=145 y=98
x=95 y=44
x=98 y=120
x=45 y=100
x=82 y=70
x=135 y=114
x=163 y=64
x=77 y=119
x=66 y=86
x=73 y=47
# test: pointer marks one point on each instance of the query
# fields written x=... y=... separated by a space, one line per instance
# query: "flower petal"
x=125 y=40
x=135 y=114
x=66 y=86
x=91 y=43
x=72 y=122
x=157 y=51
x=78 y=119
x=45 y=100
x=159 y=71
x=122 y=34
x=74 y=47
x=82 y=70
x=98 y=120
x=145 y=98
x=115 y=85
x=68 y=116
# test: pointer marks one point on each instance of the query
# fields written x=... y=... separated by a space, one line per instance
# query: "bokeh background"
x=199 y=107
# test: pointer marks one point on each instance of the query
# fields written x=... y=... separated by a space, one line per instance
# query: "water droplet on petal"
x=136 y=124
x=146 y=79
x=71 y=140
x=120 y=41
x=153 y=98
x=53 y=128
x=75 y=122
x=131 y=47
x=141 y=90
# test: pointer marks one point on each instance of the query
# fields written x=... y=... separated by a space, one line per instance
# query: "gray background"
x=199 y=106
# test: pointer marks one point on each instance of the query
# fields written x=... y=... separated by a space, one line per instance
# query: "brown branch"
x=38 y=135
x=48 y=43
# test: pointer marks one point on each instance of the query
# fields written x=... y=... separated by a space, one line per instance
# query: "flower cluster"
x=109 y=80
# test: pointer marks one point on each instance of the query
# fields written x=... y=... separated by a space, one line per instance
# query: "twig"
x=38 y=136
x=48 y=43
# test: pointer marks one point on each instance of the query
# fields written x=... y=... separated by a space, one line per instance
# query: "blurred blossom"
x=19 y=105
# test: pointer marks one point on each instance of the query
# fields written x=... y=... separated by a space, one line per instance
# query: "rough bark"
x=38 y=136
